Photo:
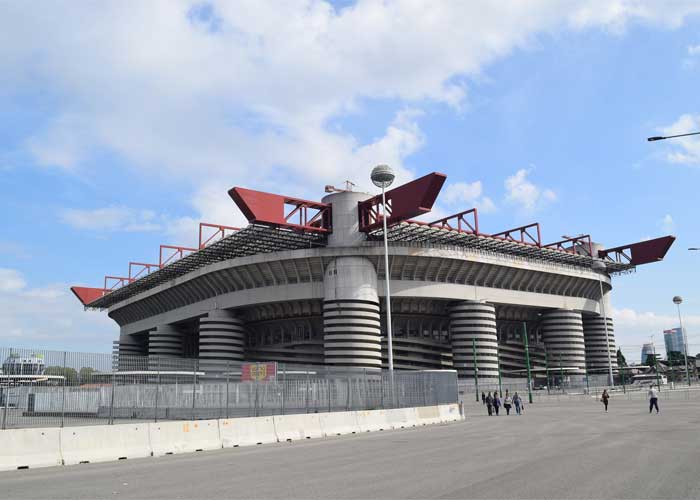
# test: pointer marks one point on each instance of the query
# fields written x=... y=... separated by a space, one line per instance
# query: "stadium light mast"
x=678 y=300
x=661 y=138
x=382 y=176
x=599 y=267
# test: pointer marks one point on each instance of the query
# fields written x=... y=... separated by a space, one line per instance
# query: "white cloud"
x=11 y=280
x=49 y=316
x=693 y=50
x=111 y=219
x=684 y=150
x=668 y=226
x=526 y=195
x=633 y=328
x=245 y=91
x=468 y=195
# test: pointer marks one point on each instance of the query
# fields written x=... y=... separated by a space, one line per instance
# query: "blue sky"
x=122 y=126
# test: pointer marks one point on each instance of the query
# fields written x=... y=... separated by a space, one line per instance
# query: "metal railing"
x=52 y=388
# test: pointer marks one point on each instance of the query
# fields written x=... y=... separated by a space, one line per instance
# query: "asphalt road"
x=571 y=450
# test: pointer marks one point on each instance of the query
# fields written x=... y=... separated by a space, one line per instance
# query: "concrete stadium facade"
x=459 y=299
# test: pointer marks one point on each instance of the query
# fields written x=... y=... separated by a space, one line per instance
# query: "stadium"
x=305 y=283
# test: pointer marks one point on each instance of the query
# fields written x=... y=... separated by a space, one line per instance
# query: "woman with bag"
x=604 y=399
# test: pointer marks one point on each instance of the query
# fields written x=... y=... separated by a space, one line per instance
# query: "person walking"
x=489 y=404
x=496 y=402
x=507 y=403
x=483 y=398
x=517 y=402
x=604 y=399
x=653 y=399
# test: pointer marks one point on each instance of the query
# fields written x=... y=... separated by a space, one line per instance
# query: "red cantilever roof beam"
x=220 y=230
x=269 y=209
x=87 y=294
x=136 y=269
x=643 y=252
x=459 y=222
x=114 y=282
x=404 y=202
x=524 y=233
x=179 y=252
x=575 y=245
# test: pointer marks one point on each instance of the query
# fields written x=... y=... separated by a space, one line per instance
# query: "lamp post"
x=661 y=138
x=599 y=267
x=678 y=300
x=382 y=176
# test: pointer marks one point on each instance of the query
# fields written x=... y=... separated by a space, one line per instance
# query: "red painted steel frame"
x=269 y=209
x=219 y=230
x=458 y=222
x=115 y=282
x=524 y=235
x=87 y=294
x=141 y=266
x=583 y=241
x=643 y=252
x=409 y=200
x=179 y=251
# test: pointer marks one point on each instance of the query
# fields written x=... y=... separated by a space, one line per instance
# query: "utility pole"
x=476 y=370
x=527 y=361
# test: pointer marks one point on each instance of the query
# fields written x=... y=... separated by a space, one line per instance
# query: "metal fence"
x=51 y=388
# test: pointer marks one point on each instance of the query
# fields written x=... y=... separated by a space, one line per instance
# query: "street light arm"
x=661 y=138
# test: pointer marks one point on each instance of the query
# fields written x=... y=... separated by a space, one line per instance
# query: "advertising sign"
x=258 y=372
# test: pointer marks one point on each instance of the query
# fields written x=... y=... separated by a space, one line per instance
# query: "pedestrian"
x=483 y=398
x=604 y=399
x=507 y=403
x=517 y=402
x=653 y=399
x=496 y=402
x=489 y=404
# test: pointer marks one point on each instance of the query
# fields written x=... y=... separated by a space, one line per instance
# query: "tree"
x=85 y=374
x=621 y=361
x=70 y=374
x=650 y=361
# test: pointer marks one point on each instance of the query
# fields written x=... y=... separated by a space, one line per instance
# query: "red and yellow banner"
x=258 y=372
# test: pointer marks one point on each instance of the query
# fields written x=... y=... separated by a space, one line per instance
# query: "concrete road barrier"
x=29 y=448
x=449 y=413
x=297 y=427
x=428 y=415
x=247 y=431
x=339 y=423
x=104 y=443
x=372 y=420
x=402 y=418
x=169 y=438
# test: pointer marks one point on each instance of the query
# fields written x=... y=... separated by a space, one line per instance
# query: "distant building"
x=674 y=340
x=23 y=365
x=647 y=349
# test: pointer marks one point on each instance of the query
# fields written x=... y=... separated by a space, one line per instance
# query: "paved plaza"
x=555 y=450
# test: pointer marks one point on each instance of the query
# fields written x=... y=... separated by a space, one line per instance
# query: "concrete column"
x=562 y=332
x=474 y=320
x=221 y=340
x=165 y=341
x=596 y=345
x=351 y=324
x=346 y=219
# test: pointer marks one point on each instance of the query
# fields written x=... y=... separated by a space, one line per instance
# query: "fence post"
x=347 y=405
x=284 y=389
x=328 y=383
x=194 y=387
x=155 y=415
x=307 y=390
x=63 y=391
x=228 y=374
x=6 y=394
x=366 y=389
x=111 y=400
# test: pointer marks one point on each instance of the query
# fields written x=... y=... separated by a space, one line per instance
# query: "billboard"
x=258 y=372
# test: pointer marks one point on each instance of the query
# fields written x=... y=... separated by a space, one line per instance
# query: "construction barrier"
x=339 y=423
x=449 y=413
x=402 y=418
x=100 y=443
x=297 y=427
x=247 y=431
x=169 y=438
x=428 y=415
x=372 y=420
x=29 y=448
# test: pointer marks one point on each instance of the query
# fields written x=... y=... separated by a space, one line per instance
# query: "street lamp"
x=693 y=248
x=661 y=138
x=678 y=300
x=599 y=267
x=382 y=176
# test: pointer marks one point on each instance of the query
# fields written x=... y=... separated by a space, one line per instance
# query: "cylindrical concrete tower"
x=221 y=340
x=596 y=344
x=165 y=341
x=469 y=321
x=346 y=220
x=562 y=332
x=351 y=327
